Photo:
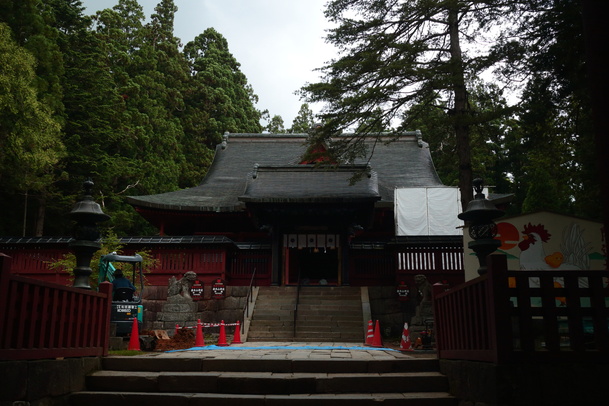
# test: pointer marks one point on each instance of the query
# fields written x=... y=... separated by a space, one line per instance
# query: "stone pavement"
x=293 y=350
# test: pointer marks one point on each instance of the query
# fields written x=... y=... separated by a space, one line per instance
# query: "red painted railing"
x=247 y=263
x=374 y=266
x=439 y=262
x=34 y=261
x=42 y=320
x=206 y=263
x=510 y=316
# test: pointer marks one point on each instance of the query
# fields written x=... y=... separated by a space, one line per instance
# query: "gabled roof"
x=310 y=184
x=405 y=162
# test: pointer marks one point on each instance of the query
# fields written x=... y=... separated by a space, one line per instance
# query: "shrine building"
x=266 y=211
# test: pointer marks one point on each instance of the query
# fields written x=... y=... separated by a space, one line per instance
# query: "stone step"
x=267 y=383
x=200 y=364
x=330 y=310
x=329 y=323
x=333 y=313
x=280 y=335
x=89 y=398
x=317 y=328
x=330 y=317
x=134 y=381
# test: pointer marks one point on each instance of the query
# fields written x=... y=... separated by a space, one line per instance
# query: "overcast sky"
x=279 y=43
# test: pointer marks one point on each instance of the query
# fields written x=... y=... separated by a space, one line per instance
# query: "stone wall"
x=388 y=310
x=229 y=309
x=43 y=382
x=564 y=384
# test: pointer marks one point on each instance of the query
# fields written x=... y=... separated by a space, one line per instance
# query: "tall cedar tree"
x=145 y=151
x=219 y=89
x=31 y=23
x=557 y=147
x=394 y=52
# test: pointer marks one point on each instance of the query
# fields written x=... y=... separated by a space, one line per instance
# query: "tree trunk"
x=594 y=14
x=461 y=111
x=42 y=207
x=25 y=203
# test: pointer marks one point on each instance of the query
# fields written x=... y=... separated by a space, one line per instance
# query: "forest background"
x=121 y=100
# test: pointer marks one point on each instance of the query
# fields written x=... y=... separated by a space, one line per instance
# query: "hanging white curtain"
x=427 y=211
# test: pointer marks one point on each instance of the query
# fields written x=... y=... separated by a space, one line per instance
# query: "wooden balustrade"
x=246 y=263
x=44 y=320
x=373 y=266
x=511 y=316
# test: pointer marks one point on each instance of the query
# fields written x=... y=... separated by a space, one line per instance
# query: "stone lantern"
x=480 y=215
x=86 y=213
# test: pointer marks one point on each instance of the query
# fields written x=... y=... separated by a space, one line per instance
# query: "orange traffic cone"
x=134 y=340
x=376 y=341
x=222 y=339
x=237 y=335
x=369 y=334
x=406 y=344
x=199 y=339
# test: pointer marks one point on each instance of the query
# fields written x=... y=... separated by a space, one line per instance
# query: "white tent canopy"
x=427 y=211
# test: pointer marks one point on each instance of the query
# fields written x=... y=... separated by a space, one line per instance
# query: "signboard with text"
x=196 y=290
x=218 y=289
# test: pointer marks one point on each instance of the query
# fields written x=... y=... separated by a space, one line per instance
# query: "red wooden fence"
x=44 y=320
x=510 y=316
x=245 y=262
x=208 y=264
x=401 y=262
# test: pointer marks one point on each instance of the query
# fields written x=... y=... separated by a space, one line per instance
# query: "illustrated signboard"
x=545 y=240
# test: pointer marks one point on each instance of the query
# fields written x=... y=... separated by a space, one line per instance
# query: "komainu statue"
x=181 y=287
x=424 y=288
x=424 y=309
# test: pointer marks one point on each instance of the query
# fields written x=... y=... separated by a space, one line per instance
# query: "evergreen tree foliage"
x=275 y=124
x=133 y=111
x=218 y=99
x=29 y=135
x=557 y=139
x=119 y=99
x=304 y=120
x=395 y=54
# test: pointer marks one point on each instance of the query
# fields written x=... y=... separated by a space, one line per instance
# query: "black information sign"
x=403 y=291
x=218 y=289
x=196 y=290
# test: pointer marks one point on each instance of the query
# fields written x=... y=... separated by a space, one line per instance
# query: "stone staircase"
x=323 y=314
x=133 y=381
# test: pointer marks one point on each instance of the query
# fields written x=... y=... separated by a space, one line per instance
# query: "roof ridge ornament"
x=419 y=138
x=225 y=140
x=255 y=172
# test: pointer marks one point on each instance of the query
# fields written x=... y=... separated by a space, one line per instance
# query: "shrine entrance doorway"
x=312 y=259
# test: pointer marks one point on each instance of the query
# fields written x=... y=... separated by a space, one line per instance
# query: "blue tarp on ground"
x=286 y=347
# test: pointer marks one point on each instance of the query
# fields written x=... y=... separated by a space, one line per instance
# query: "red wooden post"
x=5 y=273
x=106 y=288
x=500 y=331
x=439 y=321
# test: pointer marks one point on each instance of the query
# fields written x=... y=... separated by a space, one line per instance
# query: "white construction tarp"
x=427 y=211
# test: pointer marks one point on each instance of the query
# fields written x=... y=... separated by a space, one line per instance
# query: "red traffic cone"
x=406 y=344
x=376 y=341
x=237 y=335
x=222 y=339
x=369 y=334
x=134 y=340
x=199 y=339
x=175 y=332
